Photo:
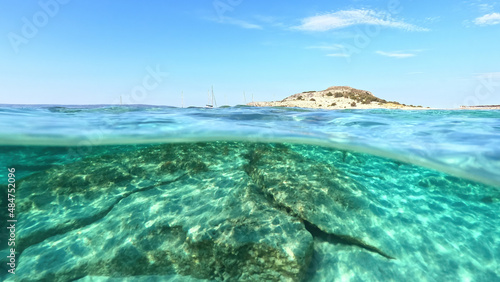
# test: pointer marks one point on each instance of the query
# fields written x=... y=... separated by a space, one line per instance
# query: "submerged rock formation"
x=335 y=97
x=317 y=193
x=223 y=211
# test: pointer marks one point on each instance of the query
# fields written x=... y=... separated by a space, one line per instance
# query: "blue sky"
x=430 y=53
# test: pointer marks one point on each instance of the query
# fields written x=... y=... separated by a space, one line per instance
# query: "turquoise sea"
x=149 y=193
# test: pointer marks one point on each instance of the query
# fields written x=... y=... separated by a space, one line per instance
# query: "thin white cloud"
x=270 y=21
x=326 y=47
x=240 y=23
x=344 y=55
x=488 y=19
x=339 y=48
x=346 y=18
x=483 y=6
x=432 y=19
x=233 y=21
x=398 y=55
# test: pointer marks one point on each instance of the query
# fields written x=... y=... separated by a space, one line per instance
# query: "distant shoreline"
x=469 y=108
x=361 y=107
x=480 y=107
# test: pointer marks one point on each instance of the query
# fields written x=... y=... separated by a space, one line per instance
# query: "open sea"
x=150 y=193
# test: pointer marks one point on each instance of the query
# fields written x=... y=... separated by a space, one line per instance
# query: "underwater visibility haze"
x=150 y=193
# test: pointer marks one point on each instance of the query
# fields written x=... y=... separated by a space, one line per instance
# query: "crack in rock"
x=283 y=196
x=341 y=239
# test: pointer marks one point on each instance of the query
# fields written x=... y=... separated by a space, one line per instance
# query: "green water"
x=243 y=211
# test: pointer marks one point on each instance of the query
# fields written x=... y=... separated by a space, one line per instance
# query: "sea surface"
x=152 y=193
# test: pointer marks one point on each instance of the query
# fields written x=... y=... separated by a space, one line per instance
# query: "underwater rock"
x=163 y=210
x=69 y=196
x=318 y=193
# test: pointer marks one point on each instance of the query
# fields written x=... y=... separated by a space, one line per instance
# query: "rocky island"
x=335 y=97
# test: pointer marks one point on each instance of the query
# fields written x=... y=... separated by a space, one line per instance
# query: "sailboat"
x=212 y=98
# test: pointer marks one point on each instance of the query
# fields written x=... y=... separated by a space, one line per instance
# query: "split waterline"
x=251 y=193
